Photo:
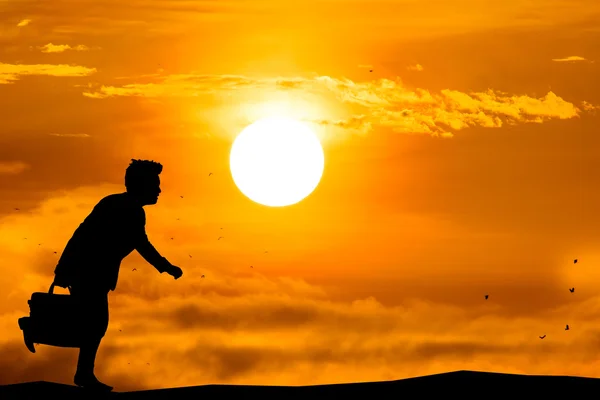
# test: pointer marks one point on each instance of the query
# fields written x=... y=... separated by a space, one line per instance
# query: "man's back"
x=109 y=233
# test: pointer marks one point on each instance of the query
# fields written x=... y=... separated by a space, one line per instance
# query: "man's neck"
x=136 y=199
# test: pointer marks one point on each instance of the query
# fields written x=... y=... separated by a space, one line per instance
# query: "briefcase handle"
x=51 y=290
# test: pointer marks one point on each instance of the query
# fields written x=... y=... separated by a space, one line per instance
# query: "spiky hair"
x=140 y=171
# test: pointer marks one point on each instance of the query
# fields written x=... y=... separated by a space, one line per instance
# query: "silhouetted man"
x=89 y=265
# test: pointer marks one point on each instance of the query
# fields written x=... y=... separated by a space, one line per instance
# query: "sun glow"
x=277 y=161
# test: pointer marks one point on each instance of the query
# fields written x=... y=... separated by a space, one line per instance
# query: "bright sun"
x=276 y=161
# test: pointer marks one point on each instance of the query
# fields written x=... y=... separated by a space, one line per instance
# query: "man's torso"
x=93 y=255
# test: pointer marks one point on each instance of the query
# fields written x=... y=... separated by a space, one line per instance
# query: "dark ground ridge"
x=466 y=384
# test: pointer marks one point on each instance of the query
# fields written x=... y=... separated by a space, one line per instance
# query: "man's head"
x=142 y=180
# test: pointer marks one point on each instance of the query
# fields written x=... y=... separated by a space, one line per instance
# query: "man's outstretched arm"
x=150 y=254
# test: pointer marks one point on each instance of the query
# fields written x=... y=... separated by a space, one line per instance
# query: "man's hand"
x=174 y=271
x=61 y=281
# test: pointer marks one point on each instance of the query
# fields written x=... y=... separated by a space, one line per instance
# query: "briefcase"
x=53 y=319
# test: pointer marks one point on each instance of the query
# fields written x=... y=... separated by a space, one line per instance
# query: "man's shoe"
x=24 y=325
x=91 y=382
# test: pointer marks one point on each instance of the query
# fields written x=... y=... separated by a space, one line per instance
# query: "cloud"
x=358 y=124
x=59 y=48
x=252 y=328
x=17 y=367
x=143 y=17
x=74 y=135
x=13 y=72
x=136 y=17
x=188 y=85
x=416 y=67
x=570 y=59
x=12 y=167
x=587 y=106
x=382 y=102
x=23 y=23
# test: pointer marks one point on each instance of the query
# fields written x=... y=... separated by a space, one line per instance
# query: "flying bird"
x=486 y=296
x=567 y=328
x=572 y=290
x=181 y=197
x=220 y=237
x=54 y=252
x=541 y=337
x=16 y=209
x=202 y=276
x=575 y=261
x=210 y=173
x=370 y=70
x=135 y=269
x=251 y=266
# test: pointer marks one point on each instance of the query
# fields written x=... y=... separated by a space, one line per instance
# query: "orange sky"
x=466 y=163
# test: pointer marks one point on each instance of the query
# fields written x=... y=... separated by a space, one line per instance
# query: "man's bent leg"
x=94 y=323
